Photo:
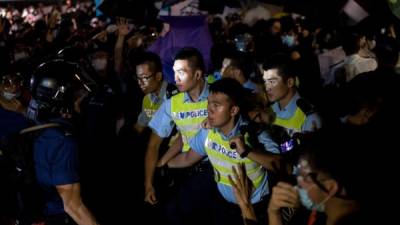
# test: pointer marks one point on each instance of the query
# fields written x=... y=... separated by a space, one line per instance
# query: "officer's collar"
x=203 y=96
x=161 y=93
x=234 y=132
x=290 y=106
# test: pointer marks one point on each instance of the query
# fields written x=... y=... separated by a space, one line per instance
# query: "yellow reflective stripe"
x=223 y=161
x=295 y=122
x=182 y=113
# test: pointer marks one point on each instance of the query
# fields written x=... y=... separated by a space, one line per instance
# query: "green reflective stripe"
x=223 y=158
x=295 y=122
x=149 y=107
x=188 y=117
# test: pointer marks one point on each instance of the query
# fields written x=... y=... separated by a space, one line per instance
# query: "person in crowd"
x=223 y=144
x=56 y=88
x=186 y=110
x=331 y=193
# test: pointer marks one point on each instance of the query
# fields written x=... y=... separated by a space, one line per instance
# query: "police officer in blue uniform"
x=56 y=86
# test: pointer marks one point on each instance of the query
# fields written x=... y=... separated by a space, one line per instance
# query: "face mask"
x=371 y=44
x=8 y=95
x=288 y=40
x=99 y=64
x=20 y=55
x=308 y=203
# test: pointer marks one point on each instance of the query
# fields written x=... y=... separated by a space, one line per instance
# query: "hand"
x=123 y=27
x=150 y=195
x=239 y=144
x=284 y=195
x=205 y=124
x=242 y=188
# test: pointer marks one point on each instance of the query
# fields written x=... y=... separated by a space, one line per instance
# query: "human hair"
x=152 y=60
x=193 y=56
x=351 y=43
x=240 y=61
x=338 y=152
x=234 y=90
x=282 y=63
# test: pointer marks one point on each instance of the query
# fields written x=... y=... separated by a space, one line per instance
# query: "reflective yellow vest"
x=188 y=117
x=150 y=107
x=222 y=157
x=293 y=123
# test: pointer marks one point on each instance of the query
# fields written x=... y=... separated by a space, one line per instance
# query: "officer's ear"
x=159 y=76
x=198 y=74
x=235 y=110
x=291 y=81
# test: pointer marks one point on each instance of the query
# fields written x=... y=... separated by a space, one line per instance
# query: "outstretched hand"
x=243 y=188
x=123 y=26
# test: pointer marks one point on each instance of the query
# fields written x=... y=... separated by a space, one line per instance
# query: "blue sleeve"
x=198 y=141
x=162 y=123
x=269 y=145
x=310 y=121
x=64 y=163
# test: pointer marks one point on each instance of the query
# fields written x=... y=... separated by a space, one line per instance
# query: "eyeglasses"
x=144 y=78
x=308 y=177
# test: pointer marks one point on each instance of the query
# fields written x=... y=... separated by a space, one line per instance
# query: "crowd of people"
x=283 y=122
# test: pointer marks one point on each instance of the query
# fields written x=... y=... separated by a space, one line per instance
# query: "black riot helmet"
x=56 y=85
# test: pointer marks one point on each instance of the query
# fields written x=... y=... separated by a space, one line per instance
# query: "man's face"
x=185 y=78
x=275 y=86
x=147 y=80
x=220 y=109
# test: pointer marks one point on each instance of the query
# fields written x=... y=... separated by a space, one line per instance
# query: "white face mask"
x=99 y=64
x=308 y=203
x=20 y=56
x=8 y=95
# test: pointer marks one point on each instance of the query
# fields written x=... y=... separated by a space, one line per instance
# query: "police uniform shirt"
x=252 y=86
x=289 y=111
x=197 y=144
x=162 y=123
x=56 y=163
x=144 y=118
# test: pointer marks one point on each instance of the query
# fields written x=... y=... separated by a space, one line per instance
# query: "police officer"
x=292 y=112
x=225 y=147
x=150 y=80
x=56 y=87
x=186 y=110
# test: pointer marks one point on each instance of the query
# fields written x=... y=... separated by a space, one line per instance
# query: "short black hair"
x=152 y=60
x=193 y=56
x=237 y=94
x=283 y=63
x=340 y=152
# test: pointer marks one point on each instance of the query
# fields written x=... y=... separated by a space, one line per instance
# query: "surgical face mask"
x=371 y=44
x=288 y=40
x=9 y=95
x=20 y=56
x=99 y=64
x=308 y=203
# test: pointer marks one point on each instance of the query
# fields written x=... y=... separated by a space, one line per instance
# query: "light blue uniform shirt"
x=252 y=86
x=197 y=144
x=162 y=123
x=290 y=109
x=143 y=119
